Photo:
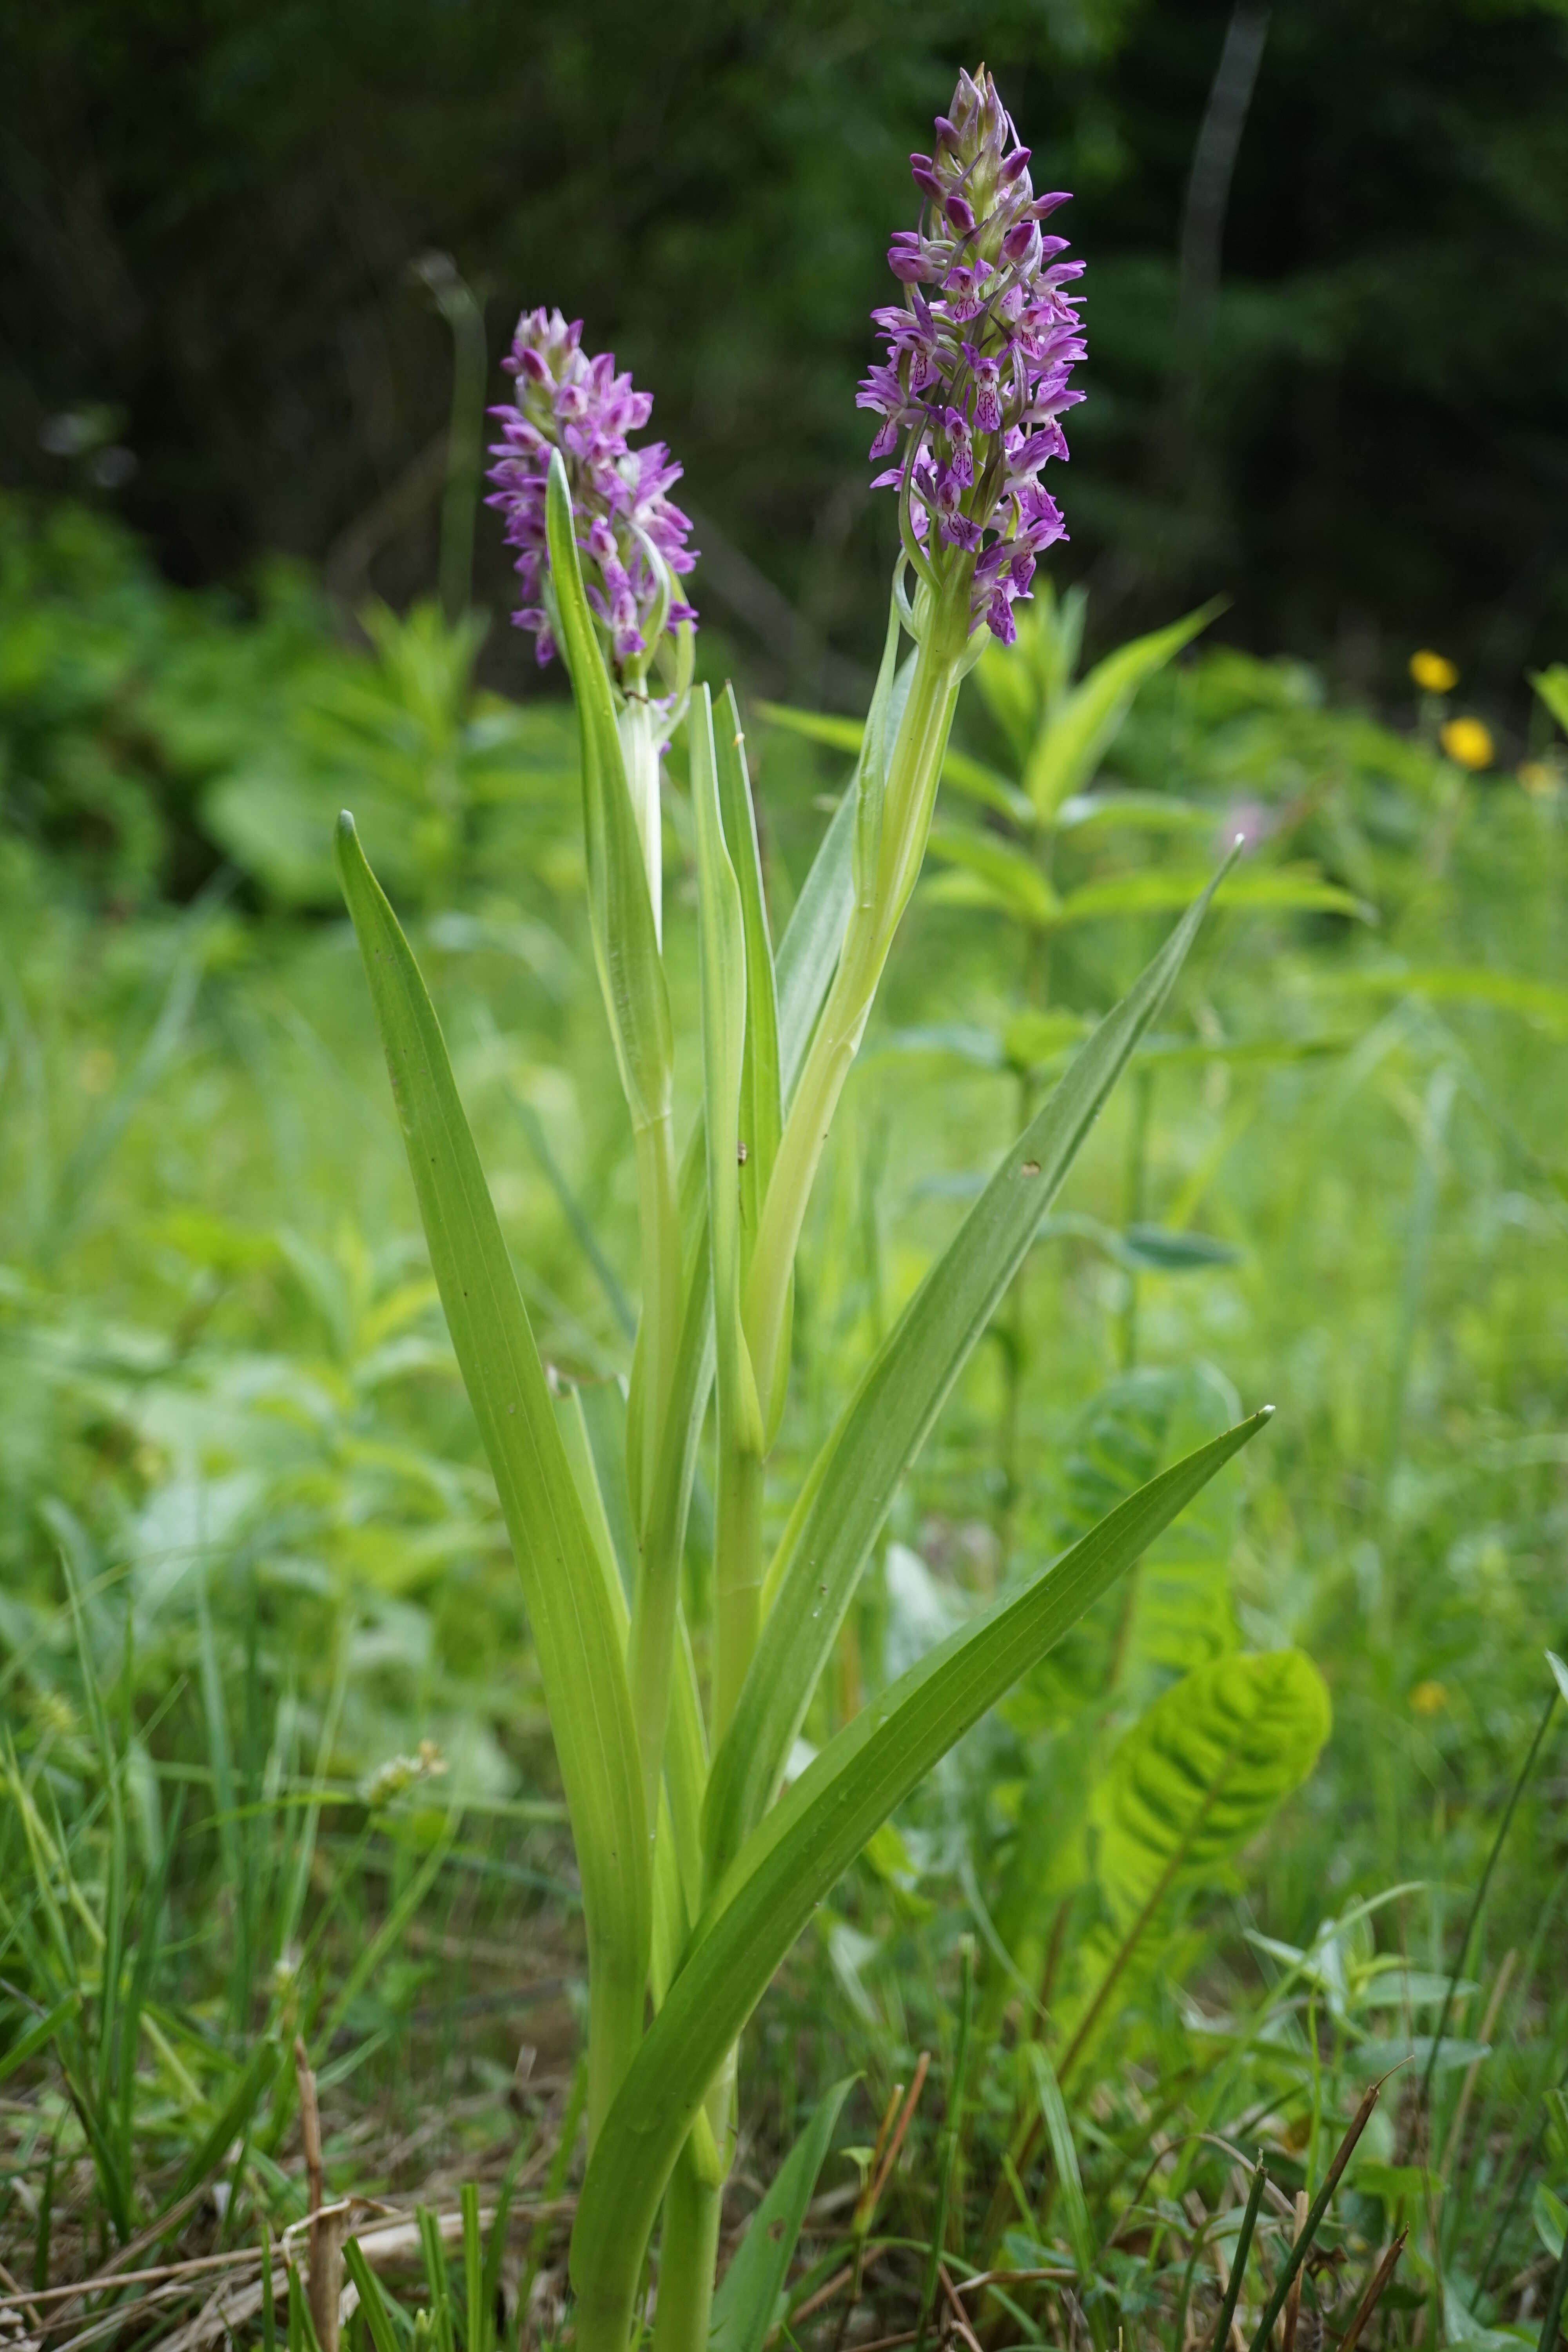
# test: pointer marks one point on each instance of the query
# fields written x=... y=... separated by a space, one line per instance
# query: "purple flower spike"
x=566 y=401
x=977 y=366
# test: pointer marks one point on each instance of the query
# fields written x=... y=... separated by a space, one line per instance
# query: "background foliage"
x=209 y=215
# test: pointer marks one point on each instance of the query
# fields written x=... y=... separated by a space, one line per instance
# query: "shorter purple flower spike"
x=979 y=354
x=620 y=501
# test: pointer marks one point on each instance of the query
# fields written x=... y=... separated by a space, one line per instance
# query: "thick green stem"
x=689 y=2254
x=914 y=773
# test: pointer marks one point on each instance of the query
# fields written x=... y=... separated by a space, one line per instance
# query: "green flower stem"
x=689 y=2239
x=914 y=773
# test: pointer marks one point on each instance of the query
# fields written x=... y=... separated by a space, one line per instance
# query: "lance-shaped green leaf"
x=809 y=952
x=846 y=1497
x=625 y=943
x=747 y=2303
x=794 y=1859
x=574 y=1631
x=721 y=927
x=1283 y=889
x=991 y=873
x=1076 y=738
x=760 y=1086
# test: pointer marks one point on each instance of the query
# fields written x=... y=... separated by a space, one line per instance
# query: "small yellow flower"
x=1468 y=743
x=1434 y=673
x=1540 y=778
x=1429 y=1699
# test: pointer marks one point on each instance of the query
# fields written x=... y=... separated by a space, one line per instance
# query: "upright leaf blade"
x=808 y=953
x=573 y=1626
x=626 y=940
x=846 y=1497
x=1076 y=738
x=748 y=2294
x=794 y=1860
x=722 y=961
x=759 y=1083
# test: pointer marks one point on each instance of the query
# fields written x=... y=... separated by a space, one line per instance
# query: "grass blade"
x=748 y=2296
x=1310 y=2227
x=1221 y=2336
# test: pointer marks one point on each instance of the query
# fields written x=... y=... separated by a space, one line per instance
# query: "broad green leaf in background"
x=1200 y=1774
x=1552 y=686
x=797 y=1855
x=1077 y=735
x=1178 y=1611
x=575 y=1632
x=1538 y=1001
x=991 y=873
x=747 y=2303
x=836 y=1518
x=1282 y=888
x=1134 y=812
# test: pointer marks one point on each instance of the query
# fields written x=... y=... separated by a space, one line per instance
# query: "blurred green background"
x=1328 y=250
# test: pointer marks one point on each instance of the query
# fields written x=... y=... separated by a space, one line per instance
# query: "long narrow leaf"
x=578 y=1646
x=792 y=1862
x=808 y=953
x=748 y=2294
x=625 y=940
x=834 y=1521
x=760 y=1086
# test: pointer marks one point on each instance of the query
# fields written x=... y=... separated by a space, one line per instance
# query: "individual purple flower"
x=979 y=356
x=631 y=536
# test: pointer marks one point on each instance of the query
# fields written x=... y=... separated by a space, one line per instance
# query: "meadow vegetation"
x=1280 y=1818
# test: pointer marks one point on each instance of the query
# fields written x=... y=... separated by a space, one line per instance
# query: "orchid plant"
x=673 y=1738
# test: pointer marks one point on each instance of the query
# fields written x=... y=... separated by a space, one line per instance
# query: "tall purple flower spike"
x=976 y=368
x=566 y=401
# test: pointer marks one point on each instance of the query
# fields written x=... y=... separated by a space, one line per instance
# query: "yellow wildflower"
x=1433 y=673
x=1429 y=1699
x=1540 y=778
x=1468 y=743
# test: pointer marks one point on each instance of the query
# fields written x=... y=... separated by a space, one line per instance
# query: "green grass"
x=250 y=1562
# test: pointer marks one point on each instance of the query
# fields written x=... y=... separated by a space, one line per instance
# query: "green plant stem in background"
x=465 y=316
